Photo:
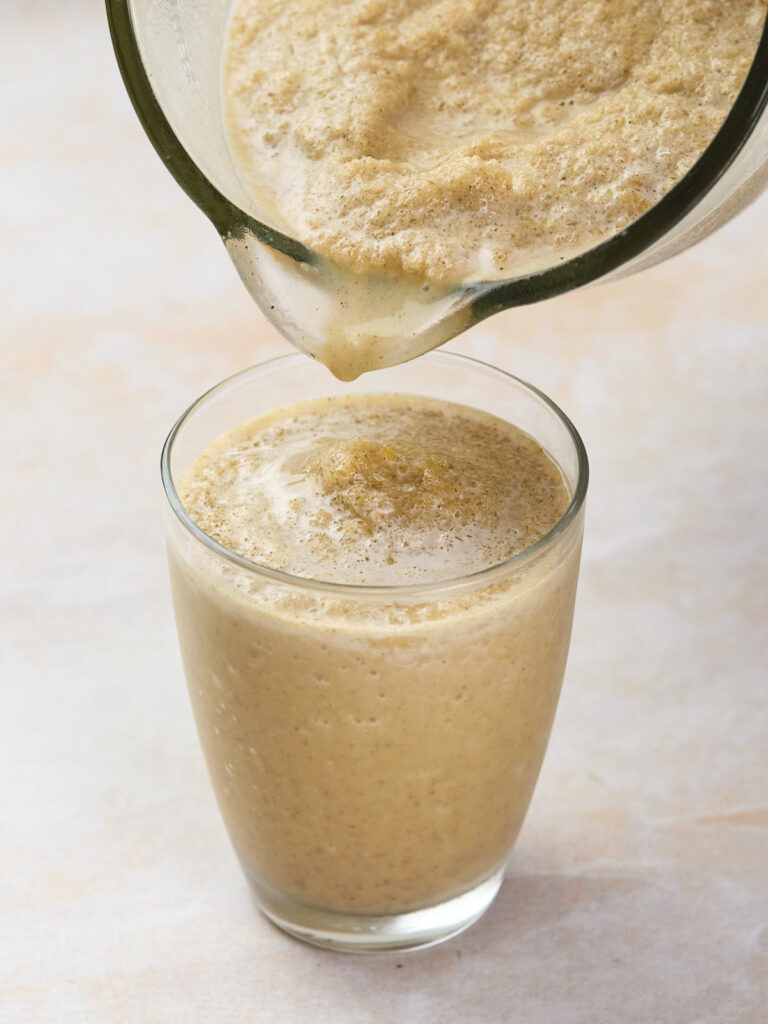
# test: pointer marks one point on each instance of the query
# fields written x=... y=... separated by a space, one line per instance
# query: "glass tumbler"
x=373 y=749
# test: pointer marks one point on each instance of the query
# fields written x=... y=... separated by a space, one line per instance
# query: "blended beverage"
x=421 y=148
x=447 y=141
x=374 y=751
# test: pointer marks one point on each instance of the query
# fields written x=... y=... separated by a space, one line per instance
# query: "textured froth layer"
x=448 y=140
x=376 y=489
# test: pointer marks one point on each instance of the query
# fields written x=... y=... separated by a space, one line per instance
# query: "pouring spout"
x=349 y=321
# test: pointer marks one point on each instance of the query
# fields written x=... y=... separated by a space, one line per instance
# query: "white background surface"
x=638 y=891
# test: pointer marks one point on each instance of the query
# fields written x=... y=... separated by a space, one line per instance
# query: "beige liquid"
x=446 y=141
x=374 y=753
x=419 y=146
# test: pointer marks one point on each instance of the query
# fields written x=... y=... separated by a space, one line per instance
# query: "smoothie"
x=374 y=751
x=462 y=140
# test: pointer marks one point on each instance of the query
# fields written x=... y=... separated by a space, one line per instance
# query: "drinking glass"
x=373 y=749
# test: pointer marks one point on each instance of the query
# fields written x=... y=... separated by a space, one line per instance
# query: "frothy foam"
x=376 y=489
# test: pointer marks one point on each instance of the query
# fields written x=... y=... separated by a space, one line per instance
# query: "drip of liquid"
x=351 y=322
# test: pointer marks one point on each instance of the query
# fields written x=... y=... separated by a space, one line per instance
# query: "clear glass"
x=373 y=749
x=170 y=55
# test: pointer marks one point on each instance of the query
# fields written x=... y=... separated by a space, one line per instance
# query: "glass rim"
x=358 y=590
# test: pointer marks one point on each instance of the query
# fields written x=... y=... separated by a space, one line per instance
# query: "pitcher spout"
x=349 y=321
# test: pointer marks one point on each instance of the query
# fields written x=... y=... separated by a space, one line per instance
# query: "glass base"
x=378 y=933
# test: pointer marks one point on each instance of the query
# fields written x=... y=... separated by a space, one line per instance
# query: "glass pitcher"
x=170 y=55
